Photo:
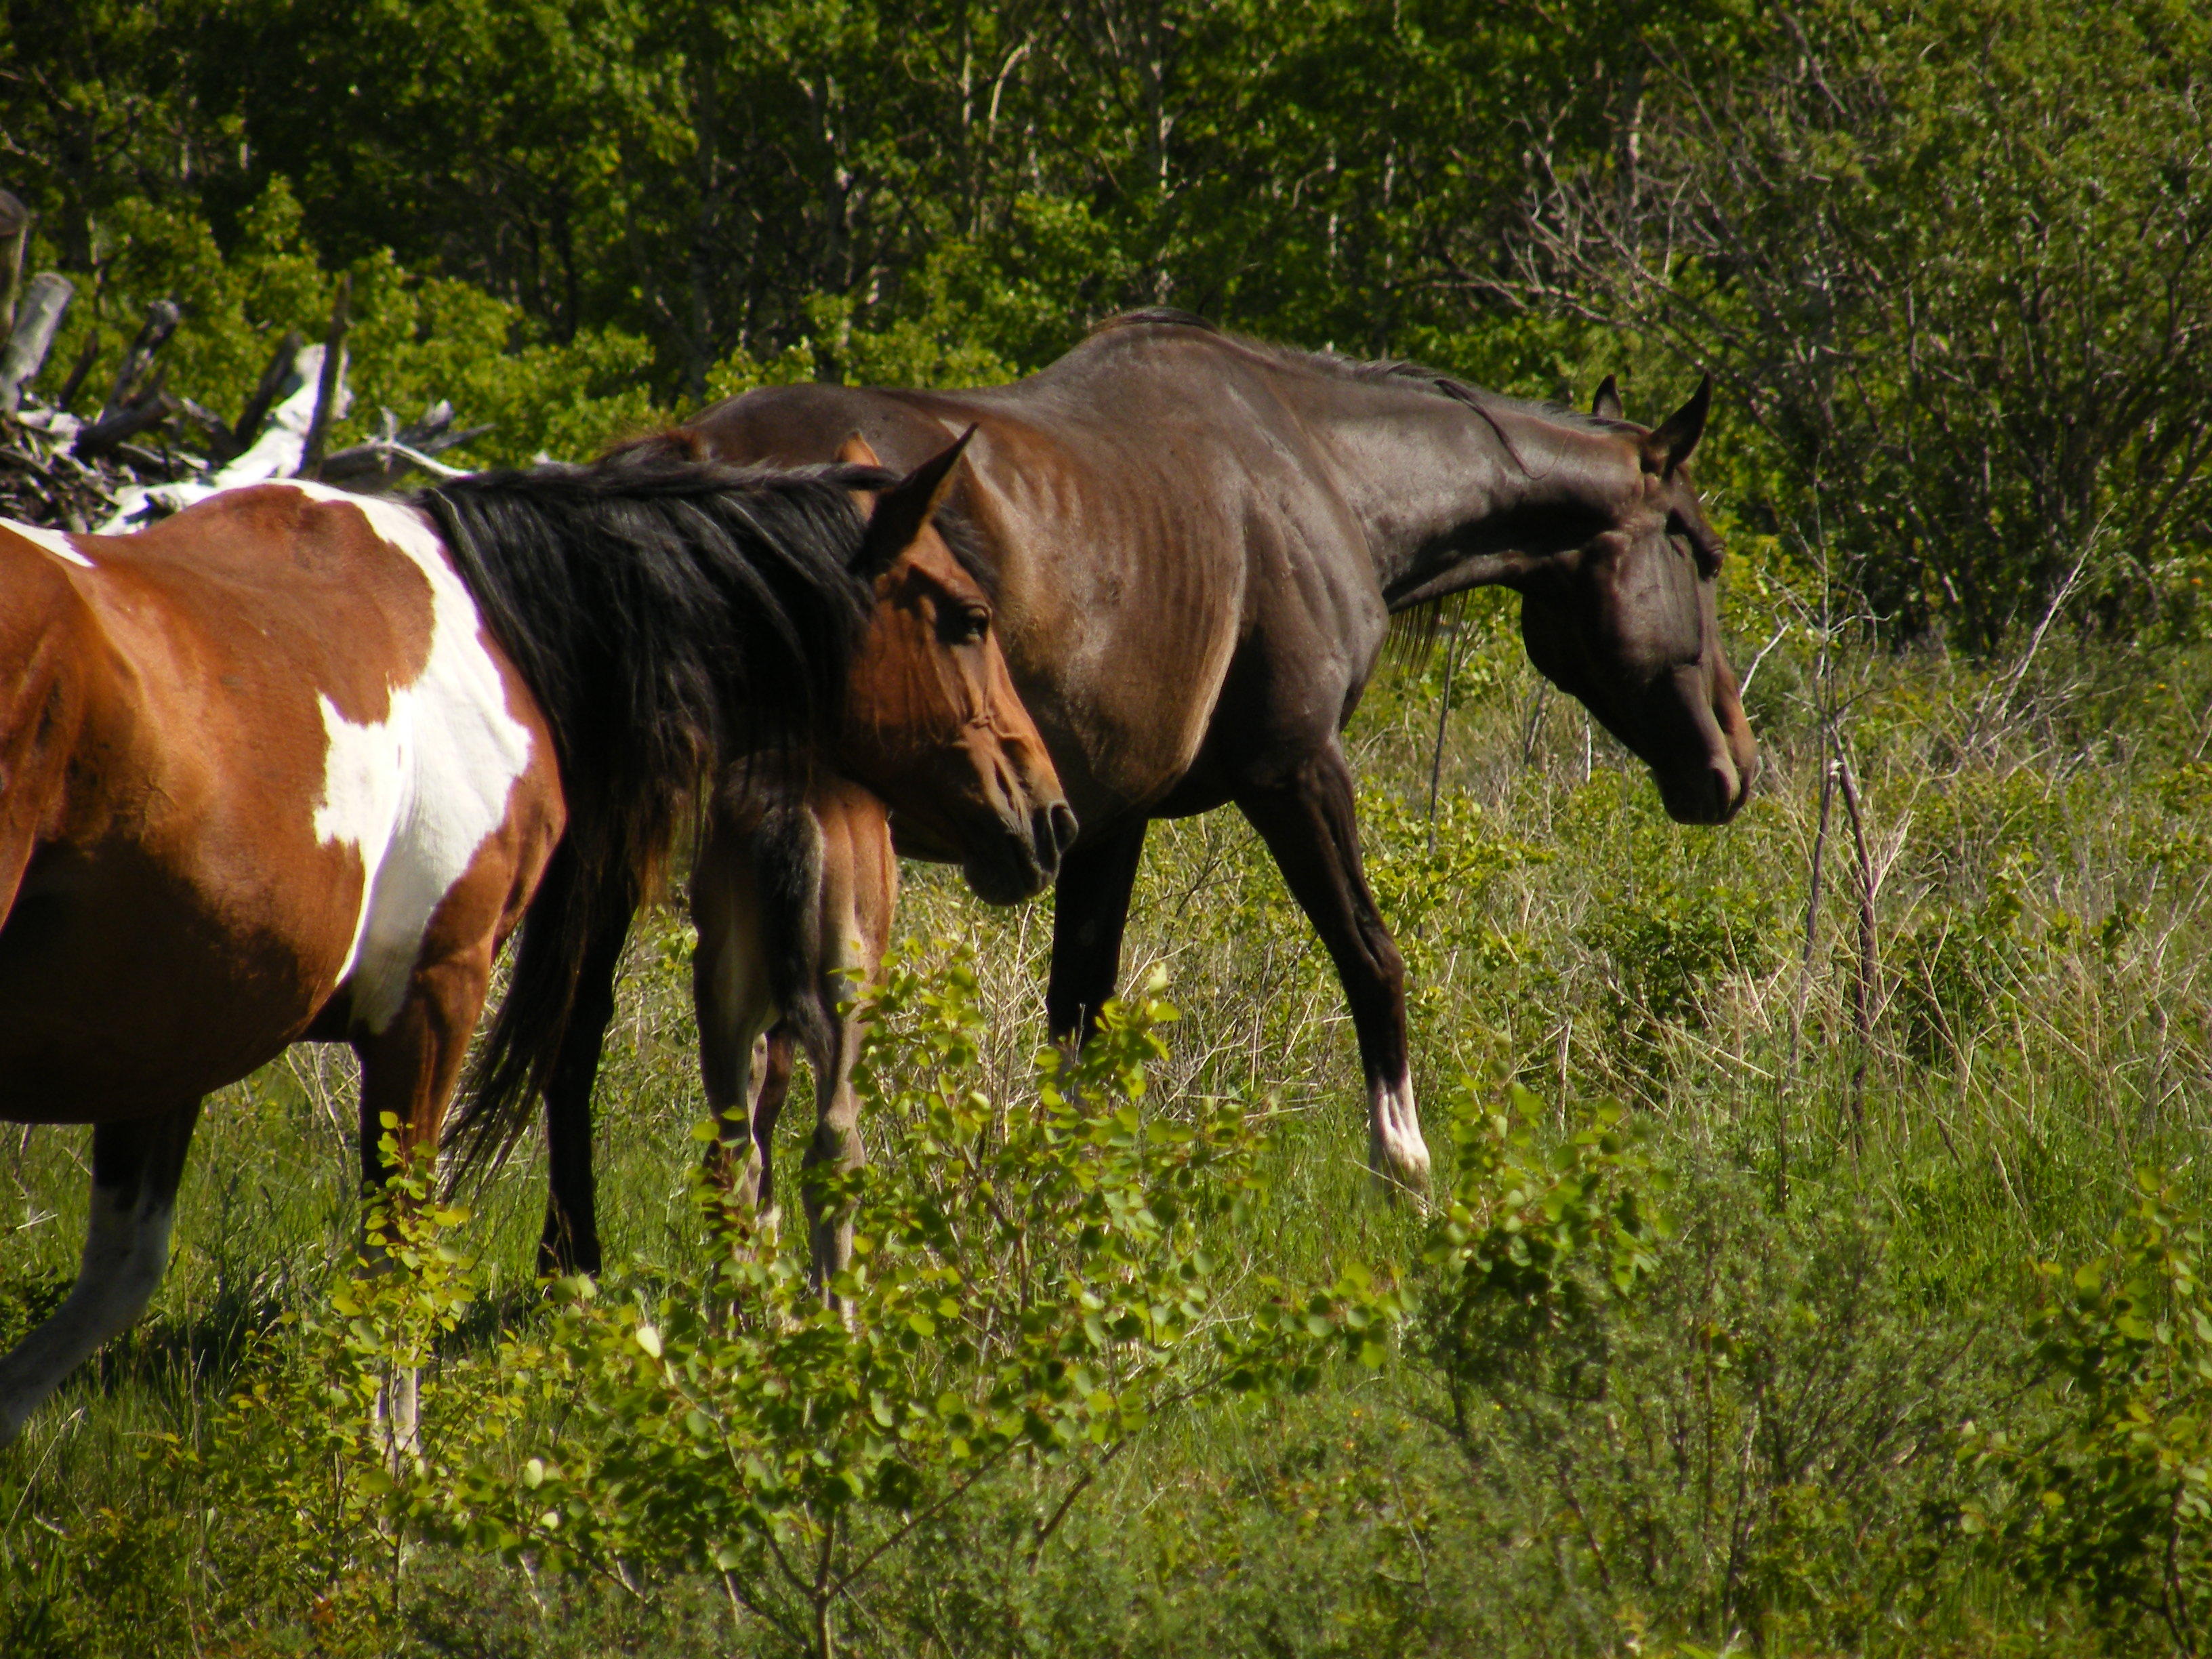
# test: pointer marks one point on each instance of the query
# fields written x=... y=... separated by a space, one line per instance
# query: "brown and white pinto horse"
x=291 y=764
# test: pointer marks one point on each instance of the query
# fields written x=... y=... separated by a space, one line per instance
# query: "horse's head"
x=1624 y=619
x=933 y=723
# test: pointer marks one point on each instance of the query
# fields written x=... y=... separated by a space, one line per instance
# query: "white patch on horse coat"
x=417 y=793
x=53 y=541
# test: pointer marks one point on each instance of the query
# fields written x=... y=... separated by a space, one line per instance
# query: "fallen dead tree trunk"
x=149 y=452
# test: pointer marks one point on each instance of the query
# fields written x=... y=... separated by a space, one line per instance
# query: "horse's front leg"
x=136 y=1167
x=1306 y=818
x=1090 y=910
x=409 y=1066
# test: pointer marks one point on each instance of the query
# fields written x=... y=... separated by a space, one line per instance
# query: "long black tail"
x=667 y=614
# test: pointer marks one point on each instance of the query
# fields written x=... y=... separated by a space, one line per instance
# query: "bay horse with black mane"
x=291 y=764
x=794 y=883
x=1199 y=543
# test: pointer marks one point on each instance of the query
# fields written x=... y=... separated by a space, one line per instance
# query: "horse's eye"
x=963 y=624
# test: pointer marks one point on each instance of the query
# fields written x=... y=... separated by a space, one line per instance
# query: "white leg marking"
x=126 y=1252
x=1396 y=1151
x=417 y=793
x=52 y=541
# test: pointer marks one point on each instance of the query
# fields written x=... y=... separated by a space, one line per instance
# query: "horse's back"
x=45 y=629
x=1122 y=583
x=1170 y=541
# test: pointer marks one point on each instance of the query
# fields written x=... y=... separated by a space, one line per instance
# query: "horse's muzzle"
x=1712 y=793
x=1024 y=860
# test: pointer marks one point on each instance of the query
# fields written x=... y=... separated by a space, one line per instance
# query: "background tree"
x=1948 y=255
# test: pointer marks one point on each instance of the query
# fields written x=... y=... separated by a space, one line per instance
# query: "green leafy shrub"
x=2105 y=1492
x=1034 y=1283
x=1953 y=971
x=1670 y=949
x=1525 y=1243
x=1727 y=1428
x=326 y=1485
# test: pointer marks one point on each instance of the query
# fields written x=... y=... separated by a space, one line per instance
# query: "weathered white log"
x=60 y=427
x=388 y=457
x=274 y=454
x=33 y=337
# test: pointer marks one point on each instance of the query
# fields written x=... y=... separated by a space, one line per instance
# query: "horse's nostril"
x=1064 y=826
x=1727 y=793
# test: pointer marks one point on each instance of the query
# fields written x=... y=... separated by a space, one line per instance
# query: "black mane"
x=668 y=615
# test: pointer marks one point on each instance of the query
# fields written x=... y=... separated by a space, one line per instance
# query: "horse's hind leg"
x=136 y=1167
x=859 y=895
x=777 y=1052
x=1307 y=821
x=735 y=1003
x=408 y=1069
x=836 y=1143
x=570 y=1241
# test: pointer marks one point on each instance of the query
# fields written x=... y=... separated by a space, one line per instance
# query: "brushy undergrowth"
x=1780 y=1295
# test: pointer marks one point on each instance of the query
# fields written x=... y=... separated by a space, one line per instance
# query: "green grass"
x=1751 y=1456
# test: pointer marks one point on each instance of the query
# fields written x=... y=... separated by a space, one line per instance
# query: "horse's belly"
x=125 y=992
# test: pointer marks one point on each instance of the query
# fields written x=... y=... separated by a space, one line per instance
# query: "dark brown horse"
x=291 y=764
x=1197 y=544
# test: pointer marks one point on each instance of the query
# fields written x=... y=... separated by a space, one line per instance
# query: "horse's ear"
x=900 y=511
x=1607 y=404
x=1668 y=445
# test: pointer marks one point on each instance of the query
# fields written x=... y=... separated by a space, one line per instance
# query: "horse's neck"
x=1436 y=484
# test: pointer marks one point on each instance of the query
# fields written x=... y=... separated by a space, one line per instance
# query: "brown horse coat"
x=311 y=754
x=1199 y=542
x=792 y=894
x=265 y=777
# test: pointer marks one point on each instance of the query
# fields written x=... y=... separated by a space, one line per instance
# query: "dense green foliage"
x=1948 y=258
x=1771 y=1354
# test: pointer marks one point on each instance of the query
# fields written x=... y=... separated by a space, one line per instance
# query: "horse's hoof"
x=1396 y=1151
